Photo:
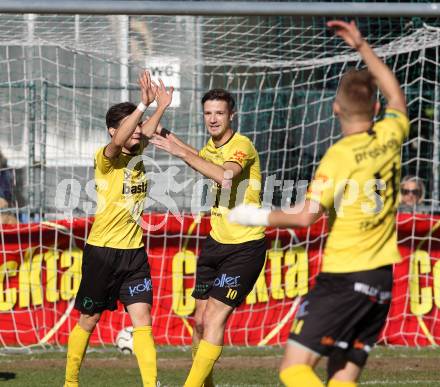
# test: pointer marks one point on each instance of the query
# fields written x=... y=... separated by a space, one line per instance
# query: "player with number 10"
x=233 y=255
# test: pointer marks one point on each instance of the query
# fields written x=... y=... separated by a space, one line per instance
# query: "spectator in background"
x=5 y=216
x=412 y=193
x=6 y=192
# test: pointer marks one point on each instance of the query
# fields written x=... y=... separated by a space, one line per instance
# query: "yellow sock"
x=338 y=383
x=209 y=381
x=207 y=354
x=76 y=348
x=194 y=350
x=300 y=375
x=145 y=351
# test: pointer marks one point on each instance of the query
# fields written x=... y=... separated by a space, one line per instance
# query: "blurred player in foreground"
x=115 y=264
x=357 y=182
x=233 y=255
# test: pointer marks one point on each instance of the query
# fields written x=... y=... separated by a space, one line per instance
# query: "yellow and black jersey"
x=358 y=182
x=246 y=188
x=121 y=192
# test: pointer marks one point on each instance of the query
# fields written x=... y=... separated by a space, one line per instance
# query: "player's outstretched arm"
x=150 y=92
x=386 y=80
x=302 y=215
x=220 y=174
x=181 y=143
x=160 y=130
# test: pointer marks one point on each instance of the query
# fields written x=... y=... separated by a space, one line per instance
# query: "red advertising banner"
x=41 y=269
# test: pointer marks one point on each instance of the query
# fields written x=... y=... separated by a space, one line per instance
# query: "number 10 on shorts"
x=231 y=294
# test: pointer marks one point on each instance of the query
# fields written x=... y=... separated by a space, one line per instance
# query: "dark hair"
x=220 y=95
x=357 y=93
x=3 y=161
x=118 y=112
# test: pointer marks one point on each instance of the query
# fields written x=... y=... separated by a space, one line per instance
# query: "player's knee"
x=198 y=326
x=212 y=321
x=88 y=322
x=140 y=314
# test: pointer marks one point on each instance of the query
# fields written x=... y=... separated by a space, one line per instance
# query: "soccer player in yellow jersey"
x=357 y=182
x=115 y=264
x=233 y=255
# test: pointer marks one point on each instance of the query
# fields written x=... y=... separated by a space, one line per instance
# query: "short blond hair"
x=357 y=93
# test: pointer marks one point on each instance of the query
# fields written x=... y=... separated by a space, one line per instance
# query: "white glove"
x=249 y=215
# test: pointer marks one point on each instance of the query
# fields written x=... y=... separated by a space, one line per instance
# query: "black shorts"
x=110 y=274
x=228 y=272
x=344 y=312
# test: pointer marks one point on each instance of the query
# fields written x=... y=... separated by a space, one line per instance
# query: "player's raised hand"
x=164 y=97
x=152 y=91
x=148 y=90
x=249 y=215
x=347 y=31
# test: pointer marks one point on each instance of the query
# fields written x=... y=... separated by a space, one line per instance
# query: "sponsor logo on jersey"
x=134 y=189
x=377 y=151
x=239 y=156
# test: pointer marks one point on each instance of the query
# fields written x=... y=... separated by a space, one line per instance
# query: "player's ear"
x=231 y=116
x=111 y=131
x=336 y=108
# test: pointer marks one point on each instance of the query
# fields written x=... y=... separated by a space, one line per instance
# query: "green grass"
x=237 y=367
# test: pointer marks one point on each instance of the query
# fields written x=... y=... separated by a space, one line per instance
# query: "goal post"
x=223 y=8
x=59 y=73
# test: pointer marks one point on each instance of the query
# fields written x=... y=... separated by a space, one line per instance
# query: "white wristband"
x=260 y=217
x=142 y=107
x=249 y=215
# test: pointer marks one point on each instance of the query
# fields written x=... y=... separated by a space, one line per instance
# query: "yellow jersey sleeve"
x=102 y=162
x=331 y=172
x=242 y=152
x=202 y=153
x=394 y=124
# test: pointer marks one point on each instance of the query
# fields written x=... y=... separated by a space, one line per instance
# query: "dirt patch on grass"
x=233 y=362
x=383 y=364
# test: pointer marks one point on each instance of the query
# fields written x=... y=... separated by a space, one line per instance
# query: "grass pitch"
x=237 y=367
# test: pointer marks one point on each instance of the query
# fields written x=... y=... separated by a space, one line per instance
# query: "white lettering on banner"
x=167 y=69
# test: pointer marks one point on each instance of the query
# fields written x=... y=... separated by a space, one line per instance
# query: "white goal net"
x=60 y=74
